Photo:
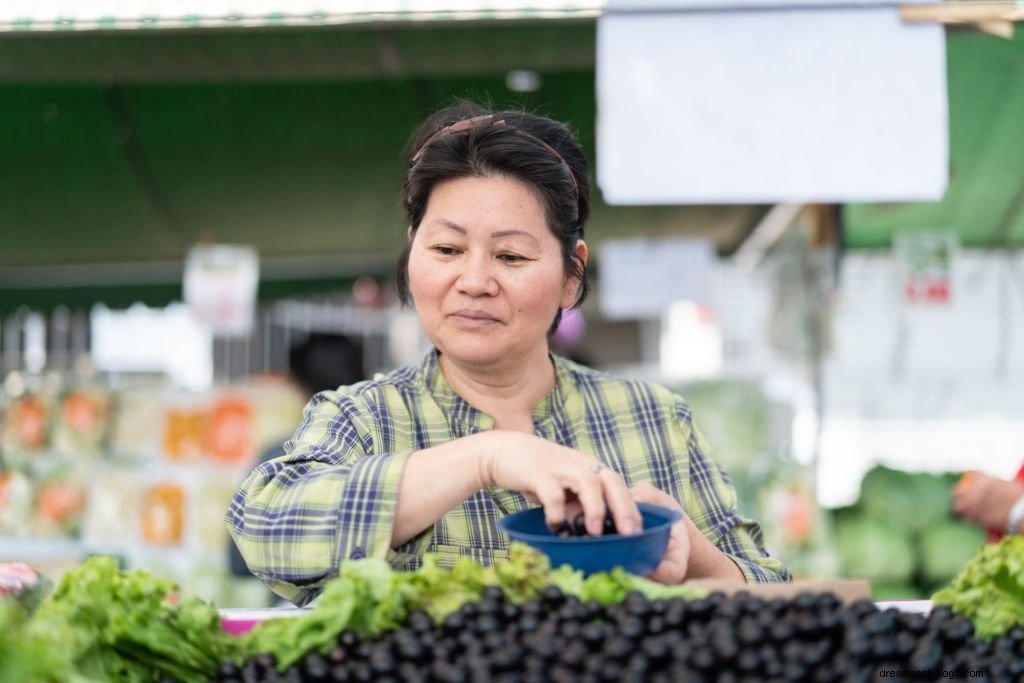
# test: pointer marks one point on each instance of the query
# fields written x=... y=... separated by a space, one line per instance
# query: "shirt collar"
x=461 y=413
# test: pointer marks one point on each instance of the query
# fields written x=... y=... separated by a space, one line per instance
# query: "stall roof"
x=119 y=150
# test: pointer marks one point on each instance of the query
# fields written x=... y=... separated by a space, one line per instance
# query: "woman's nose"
x=477 y=277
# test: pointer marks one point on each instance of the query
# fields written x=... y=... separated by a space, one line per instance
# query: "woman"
x=430 y=457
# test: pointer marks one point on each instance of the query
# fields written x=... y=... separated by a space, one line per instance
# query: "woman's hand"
x=675 y=563
x=689 y=555
x=561 y=479
x=984 y=500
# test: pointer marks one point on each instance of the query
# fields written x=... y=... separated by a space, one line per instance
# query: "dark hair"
x=468 y=140
x=325 y=361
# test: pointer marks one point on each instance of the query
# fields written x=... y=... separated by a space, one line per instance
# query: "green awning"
x=984 y=202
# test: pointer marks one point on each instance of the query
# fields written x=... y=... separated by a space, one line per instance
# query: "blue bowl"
x=637 y=554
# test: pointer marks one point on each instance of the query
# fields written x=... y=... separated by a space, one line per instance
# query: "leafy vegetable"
x=990 y=588
x=116 y=625
x=904 y=500
x=946 y=549
x=873 y=550
x=29 y=656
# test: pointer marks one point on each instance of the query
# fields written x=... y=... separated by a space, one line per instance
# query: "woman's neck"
x=508 y=394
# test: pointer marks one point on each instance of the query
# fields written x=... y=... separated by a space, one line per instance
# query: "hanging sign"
x=220 y=286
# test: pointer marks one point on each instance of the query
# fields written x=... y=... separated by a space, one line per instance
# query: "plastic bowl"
x=637 y=554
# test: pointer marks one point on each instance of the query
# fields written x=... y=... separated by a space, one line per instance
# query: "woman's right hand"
x=563 y=480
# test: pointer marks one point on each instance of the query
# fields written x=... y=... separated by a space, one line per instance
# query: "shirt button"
x=357 y=554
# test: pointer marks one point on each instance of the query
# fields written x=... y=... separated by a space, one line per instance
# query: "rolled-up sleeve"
x=330 y=498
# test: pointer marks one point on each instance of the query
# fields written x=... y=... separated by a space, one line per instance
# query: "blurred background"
x=188 y=192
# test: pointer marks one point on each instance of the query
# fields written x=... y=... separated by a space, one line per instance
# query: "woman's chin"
x=481 y=358
x=477 y=355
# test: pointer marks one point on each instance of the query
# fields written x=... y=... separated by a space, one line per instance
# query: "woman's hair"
x=468 y=140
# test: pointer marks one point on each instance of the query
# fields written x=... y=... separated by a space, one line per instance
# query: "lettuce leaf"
x=117 y=625
x=990 y=588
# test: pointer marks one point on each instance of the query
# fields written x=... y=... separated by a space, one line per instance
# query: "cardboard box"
x=847 y=590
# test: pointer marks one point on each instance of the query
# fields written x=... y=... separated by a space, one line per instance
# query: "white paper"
x=795 y=105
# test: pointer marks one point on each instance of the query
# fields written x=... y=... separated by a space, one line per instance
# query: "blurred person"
x=992 y=503
x=428 y=458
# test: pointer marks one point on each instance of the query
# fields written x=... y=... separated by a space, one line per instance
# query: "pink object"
x=239 y=620
x=571 y=330
x=237 y=627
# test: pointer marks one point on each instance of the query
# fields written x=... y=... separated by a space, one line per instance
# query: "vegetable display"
x=518 y=620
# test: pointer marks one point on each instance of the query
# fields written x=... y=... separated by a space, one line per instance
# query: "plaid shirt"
x=332 y=497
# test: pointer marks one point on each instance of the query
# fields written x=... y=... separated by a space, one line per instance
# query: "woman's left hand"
x=675 y=563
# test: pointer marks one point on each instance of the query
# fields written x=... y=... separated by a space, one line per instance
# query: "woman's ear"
x=582 y=252
x=572 y=283
x=408 y=233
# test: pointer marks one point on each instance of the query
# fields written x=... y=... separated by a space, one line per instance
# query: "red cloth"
x=996 y=534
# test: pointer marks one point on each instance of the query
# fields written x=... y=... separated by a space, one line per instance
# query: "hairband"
x=465 y=125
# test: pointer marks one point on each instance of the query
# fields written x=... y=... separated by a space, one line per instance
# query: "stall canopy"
x=120 y=149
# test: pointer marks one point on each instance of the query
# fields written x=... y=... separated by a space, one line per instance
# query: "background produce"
x=137 y=469
x=901 y=534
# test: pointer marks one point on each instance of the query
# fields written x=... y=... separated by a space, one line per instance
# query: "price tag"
x=926 y=261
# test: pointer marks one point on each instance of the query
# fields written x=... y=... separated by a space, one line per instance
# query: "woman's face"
x=485 y=273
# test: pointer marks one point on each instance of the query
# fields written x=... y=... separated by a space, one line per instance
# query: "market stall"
x=232 y=129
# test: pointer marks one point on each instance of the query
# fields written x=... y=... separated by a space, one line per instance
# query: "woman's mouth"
x=473 y=318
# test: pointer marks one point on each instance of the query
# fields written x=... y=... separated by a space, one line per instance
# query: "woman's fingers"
x=592 y=491
x=622 y=504
x=592 y=499
x=551 y=495
x=565 y=481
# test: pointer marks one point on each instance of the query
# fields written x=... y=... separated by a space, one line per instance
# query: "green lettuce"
x=990 y=588
x=116 y=625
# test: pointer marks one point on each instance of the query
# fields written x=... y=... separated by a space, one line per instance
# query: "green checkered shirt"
x=332 y=497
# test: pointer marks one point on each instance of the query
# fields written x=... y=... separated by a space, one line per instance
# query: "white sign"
x=641 y=278
x=808 y=104
x=220 y=286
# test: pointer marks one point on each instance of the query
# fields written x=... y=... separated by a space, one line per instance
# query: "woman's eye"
x=446 y=250
x=511 y=258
